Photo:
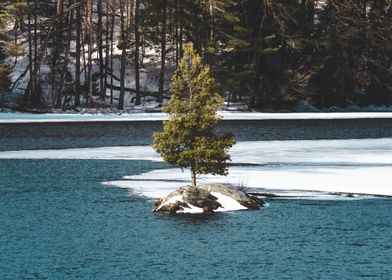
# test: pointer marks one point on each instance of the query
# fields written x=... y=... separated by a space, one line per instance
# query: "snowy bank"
x=126 y=117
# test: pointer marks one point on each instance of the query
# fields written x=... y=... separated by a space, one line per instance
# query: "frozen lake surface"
x=348 y=166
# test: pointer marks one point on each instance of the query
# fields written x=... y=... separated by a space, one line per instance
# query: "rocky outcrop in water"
x=206 y=199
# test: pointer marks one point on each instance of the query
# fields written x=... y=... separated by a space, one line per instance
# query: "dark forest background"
x=264 y=53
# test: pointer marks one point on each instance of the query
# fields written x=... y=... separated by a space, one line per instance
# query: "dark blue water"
x=57 y=221
x=98 y=134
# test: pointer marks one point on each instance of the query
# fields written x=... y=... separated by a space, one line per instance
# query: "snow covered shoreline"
x=10 y=118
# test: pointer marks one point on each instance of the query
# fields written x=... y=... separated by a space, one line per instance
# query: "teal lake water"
x=58 y=221
x=58 y=224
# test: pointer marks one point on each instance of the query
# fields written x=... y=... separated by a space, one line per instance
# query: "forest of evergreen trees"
x=265 y=53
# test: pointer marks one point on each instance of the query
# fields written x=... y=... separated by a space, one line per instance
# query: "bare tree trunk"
x=210 y=31
x=102 y=90
x=67 y=50
x=58 y=43
x=123 y=54
x=137 y=46
x=59 y=7
x=257 y=63
x=16 y=38
x=77 y=54
x=84 y=33
x=163 y=51
x=176 y=37
x=256 y=81
x=36 y=92
x=30 y=88
x=181 y=34
x=107 y=37
x=111 y=55
x=89 y=92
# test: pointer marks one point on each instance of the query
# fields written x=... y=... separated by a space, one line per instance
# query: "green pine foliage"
x=188 y=139
x=5 y=82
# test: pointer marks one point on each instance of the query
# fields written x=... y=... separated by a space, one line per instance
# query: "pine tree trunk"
x=107 y=37
x=77 y=56
x=137 y=46
x=123 y=56
x=163 y=51
x=176 y=36
x=256 y=81
x=30 y=87
x=181 y=35
x=89 y=92
x=59 y=40
x=102 y=91
x=83 y=34
x=193 y=175
x=16 y=27
x=111 y=55
x=66 y=55
x=36 y=91
x=257 y=63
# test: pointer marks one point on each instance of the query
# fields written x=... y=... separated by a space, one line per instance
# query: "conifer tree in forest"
x=5 y=82
x=268 y=54
x=4 y=70
x=188 y=139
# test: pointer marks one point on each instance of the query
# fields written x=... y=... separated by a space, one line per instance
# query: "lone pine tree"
x=188 y=139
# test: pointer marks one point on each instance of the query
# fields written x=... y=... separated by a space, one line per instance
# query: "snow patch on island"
x=191 y=209
x=228 y=203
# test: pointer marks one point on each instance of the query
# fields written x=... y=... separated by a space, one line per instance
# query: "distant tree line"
x=267 y=53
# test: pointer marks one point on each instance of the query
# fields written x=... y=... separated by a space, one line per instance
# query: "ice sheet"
x=356 y=152
x=357 y=180
x=343 y=166
x=347 y=166
x=114 y=153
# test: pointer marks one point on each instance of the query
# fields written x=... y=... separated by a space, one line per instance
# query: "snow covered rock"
x=206 y=199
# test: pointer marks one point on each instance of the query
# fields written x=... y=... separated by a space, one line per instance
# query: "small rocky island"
x=206 y=198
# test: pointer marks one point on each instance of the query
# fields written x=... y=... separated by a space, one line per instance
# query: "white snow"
x=363 y=180
x=347 y=166
x=53 y=118
x=294 y=152
x=99 y=117
x=228 y=203
x=173 y=199
x=191 y=210
x=104 y=153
